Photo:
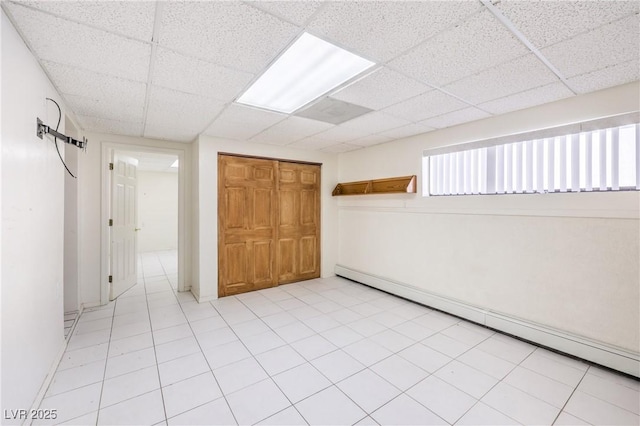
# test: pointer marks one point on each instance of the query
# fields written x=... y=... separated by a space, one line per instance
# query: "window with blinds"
x=597 y=160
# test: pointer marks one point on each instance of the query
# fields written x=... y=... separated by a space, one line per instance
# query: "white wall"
x=32 y=226
x=205 y=220
x=157 y=211
x=71 y=302
x=569 y=262
x=93 y=210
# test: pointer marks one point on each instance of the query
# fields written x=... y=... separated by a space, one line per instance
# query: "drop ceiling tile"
x=57 y=40
x=478 y=43
x=548 y=22
x=382 y=88
x=76 y=81
x=241 y=123
x=406 y=131
x=625 y=72
x=340 y=134
x=290 y=130
x=608 y=45
x=425 y=106
x=456 y=117
x=98 y=95
x=343 y=147
x=187 y=74
x=313 y=143
x=129 y=18
x=105 y=108
x=371 y=140
x=523 y=73
x=296 y=12
x=100 y=125
x=540 y=95
x=375 y=122
x=178 y=116
x=393 y=26
x=227 y=33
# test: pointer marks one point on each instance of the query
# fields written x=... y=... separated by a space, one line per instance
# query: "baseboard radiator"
x=596 y=352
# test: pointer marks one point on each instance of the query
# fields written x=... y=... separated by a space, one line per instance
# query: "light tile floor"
x=325 y=351
x=69 y=321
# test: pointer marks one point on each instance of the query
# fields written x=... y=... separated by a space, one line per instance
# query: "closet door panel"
x=299 y=225
x=247 y=224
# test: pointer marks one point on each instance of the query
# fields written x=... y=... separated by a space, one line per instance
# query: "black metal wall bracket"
x=44 y=129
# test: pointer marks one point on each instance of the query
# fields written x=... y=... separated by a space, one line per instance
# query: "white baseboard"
x=582 y=347
x=201 y=299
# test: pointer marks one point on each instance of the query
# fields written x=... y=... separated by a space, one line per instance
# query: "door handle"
x=137 y=229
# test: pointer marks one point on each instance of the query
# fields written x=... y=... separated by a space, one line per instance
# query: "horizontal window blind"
x=594 y=160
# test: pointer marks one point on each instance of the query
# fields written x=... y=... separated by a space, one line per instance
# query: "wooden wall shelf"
x=395 y=185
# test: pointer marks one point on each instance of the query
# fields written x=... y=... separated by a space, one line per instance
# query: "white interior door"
x=123 y=226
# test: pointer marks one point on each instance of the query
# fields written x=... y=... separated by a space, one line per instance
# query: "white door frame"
x=107 y=149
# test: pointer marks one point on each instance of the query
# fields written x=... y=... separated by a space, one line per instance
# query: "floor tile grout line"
x=208 y=365
x=335 y=384
x=106 y=362
x=155 y=354
x=269 y=377
x=569 y=398
x=438 y=369
x=345 y=324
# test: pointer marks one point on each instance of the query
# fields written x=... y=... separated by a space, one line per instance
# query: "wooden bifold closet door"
x=268 y=223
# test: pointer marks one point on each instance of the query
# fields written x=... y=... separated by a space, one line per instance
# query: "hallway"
x=325 y=351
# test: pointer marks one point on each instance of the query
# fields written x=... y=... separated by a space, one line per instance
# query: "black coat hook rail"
x=44 y=129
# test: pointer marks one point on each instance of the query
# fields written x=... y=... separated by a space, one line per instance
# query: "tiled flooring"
x=326 y=351
x=69 y=321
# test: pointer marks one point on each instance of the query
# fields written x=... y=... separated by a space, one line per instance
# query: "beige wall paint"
x=565 y=261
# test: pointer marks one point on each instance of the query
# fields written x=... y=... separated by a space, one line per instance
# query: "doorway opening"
x=144 y=242
x=157 y=254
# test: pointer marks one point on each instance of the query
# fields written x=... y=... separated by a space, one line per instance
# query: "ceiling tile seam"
x=518 y=93
x=604 y=68
x=101 y=74
x=221 y=101
x=419 y=44
x=314 y=15
x=75 y=21
x=68 y=109
x=157 y=19
x=203 y=59
x=590 y=30
x=524 y=40
x=469 y=104
x=256 y=5
x=288 y=116
x=110 y=119
x=215 y=117
x=438 y=88
x=285 y=116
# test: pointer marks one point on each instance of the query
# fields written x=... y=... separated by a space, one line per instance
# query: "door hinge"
x=110 y=222
x=110 y=166
x=110 y=278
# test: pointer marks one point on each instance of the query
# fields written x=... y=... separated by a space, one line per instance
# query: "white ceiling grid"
x=441 y=63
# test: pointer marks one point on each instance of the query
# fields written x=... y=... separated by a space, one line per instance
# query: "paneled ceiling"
x=171 y=70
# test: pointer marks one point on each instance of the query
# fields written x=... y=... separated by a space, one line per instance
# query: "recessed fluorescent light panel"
x=307 y=70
